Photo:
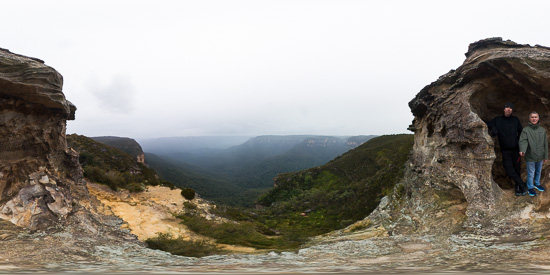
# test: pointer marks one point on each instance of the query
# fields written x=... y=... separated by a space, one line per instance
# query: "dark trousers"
x=510 y=161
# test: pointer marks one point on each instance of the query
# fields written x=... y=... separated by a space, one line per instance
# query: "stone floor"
x=63 y=252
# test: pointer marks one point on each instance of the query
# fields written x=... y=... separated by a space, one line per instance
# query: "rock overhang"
x=514 y=80
x=39 y=175
x=497 y=72
x=31 y=80
x=452 y=144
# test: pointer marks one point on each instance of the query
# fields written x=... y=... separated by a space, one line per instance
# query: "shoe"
x=524 y=188
x=519 y=190
x=540 y=188
x=532 y=192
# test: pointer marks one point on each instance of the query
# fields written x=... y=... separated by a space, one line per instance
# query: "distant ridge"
x=127 y=145
x=342 y=191
x=167 y=145
x=249 y=167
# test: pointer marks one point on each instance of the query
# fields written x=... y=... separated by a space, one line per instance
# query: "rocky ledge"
x=454 y=180
x=41 y=181
x=36 y=168
x=453 y=211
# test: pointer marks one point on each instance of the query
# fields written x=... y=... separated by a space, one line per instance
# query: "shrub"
x=135 y=187
x=189 y=205
x=168 y=184
x=242 y=233
x=179 y=246
x=188 y=193
x=110 y=166
x=338 y=193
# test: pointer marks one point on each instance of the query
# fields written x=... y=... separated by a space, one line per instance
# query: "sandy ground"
x=147 y=213
x=66 y=251
x=151 y=212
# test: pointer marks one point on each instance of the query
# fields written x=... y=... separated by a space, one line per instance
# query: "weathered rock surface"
x=41 y=182
x=453 y=211
x=146 y=213
x=36 y=168
x=454 y=180
x=74 y=253
x=455 y=208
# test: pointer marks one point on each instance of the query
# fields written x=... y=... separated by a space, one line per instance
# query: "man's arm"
x=520 y=128
x=523 y=143
x=491 y=124
x=545 y=146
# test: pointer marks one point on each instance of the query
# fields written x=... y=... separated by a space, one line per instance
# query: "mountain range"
x=232 y=171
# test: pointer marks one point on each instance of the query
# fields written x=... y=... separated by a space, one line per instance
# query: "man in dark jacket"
x=508 y=129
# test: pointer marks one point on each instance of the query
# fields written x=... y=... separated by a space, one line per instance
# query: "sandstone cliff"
x=454 y=178
x=128 y=145
x=41 y=182
x=450 y=185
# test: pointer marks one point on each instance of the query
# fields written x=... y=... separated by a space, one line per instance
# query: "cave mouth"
x=488 y=102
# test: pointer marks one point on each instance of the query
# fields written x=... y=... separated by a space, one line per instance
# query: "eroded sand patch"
x=146 y=213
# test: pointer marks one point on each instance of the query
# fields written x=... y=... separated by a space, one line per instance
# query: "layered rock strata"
x=453 y=151
x=40 y=178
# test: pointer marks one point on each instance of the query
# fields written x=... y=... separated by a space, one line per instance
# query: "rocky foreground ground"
x=65 y=250
x=83 y=249
x=452 y=214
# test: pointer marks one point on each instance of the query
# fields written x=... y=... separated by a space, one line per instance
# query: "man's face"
x=533 y=118
x=507 y=111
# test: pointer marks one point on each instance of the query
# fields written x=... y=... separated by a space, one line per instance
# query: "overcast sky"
x=146 y=69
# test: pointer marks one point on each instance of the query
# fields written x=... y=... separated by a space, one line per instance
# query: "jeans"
x=533 y=173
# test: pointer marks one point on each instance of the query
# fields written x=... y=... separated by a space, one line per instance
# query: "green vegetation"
x=179 y=246
x=188 y=193
x=185 y=176
x=237 y=176
x=113 y=167
x=335 y=195
x=127 y=145
x=189 y=205
x=244 y=233
x=302 y=205
x=315 y=201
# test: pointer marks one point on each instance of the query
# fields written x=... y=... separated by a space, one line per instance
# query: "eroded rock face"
x=453 y=149
x=37 y=171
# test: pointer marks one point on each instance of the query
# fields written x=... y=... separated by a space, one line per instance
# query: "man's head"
x=534 y=118
x=508 y=108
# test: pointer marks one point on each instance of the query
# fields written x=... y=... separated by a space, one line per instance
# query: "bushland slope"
x=339 y=193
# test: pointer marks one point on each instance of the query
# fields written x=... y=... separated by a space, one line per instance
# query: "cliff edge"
x=454 y=179
x=41 y=181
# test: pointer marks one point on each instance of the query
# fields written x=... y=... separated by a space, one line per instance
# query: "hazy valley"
x=422 y=202
x=297 y=205
x=235 y=172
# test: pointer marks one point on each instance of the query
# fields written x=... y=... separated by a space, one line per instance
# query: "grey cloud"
x=117 y=96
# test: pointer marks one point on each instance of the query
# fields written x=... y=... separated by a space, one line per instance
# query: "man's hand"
x=522 y=154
